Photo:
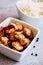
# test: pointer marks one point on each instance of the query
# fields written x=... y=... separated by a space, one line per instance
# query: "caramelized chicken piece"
x=4 y=40
x=27 y=31
x=12 y=36
x=31 y=37
x=19 y=36
x=1 y=28
x=1 y=32
x=17 y=46
x=18 y=32
x=17 y=25
x=25 y=41
x=16 y=28
x=9 y=29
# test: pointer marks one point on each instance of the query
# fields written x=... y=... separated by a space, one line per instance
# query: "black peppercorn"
x=36 y=54
x=31 y=53
x=37 y=39
x=33 y=46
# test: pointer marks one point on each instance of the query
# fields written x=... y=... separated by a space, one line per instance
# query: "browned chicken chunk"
x=18 y=32
x=19 y=36
x=1 y=32
x=25 y=41
x=4 y=40
x=27 y=31
x=16 y=28
x=9 y=29
x=31 y=37
x=1 y=28
x=17 y=46
x=12 y=36
x=17 y=25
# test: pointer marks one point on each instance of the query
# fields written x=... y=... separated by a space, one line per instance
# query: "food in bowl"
x=16 y=36
x=12 y=52
x=32 y=12
x=32 y=9
x=36 y=20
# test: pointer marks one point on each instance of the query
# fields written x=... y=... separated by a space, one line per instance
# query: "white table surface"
x=29 y=59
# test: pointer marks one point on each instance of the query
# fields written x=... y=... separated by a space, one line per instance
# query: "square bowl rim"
x=11 y=18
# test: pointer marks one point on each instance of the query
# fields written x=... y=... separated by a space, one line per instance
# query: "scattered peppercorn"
x=33 y=46
x=36 y=54
x=31 y=53
x=37 y=39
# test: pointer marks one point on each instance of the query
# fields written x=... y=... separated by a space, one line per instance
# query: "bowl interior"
x=34 y=30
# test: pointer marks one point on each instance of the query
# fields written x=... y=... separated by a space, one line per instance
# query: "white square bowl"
x=15 y=55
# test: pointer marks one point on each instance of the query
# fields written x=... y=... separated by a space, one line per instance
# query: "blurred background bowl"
x=36 y=21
